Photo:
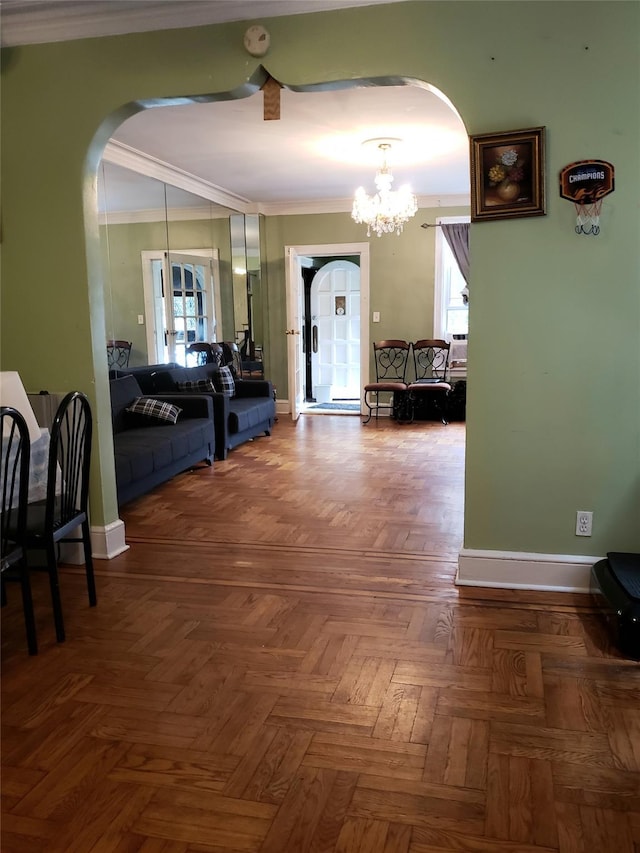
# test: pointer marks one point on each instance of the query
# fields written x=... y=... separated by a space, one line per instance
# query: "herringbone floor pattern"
x=281 y=663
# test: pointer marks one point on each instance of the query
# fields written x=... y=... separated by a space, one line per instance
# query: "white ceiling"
x=310 y=159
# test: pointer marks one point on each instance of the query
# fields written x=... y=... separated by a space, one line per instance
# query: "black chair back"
x=14 y=484
x=205 y=353
x=118 y=353
x=232 y=357
x=431 y=360
x=15 y=451
x=391 y=357
x=69 y=464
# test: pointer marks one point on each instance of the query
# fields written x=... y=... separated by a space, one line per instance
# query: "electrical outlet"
x=141 y=319
x=584 y=520
x=376 y=316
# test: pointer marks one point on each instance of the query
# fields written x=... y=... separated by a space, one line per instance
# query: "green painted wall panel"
x=551 y=428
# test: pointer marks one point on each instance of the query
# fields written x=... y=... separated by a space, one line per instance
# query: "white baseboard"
x=107 y=542
x=516 y=570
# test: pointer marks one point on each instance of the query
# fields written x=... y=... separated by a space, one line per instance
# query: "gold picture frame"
x=507 y=174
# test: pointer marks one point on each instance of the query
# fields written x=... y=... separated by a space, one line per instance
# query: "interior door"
x=295 y=296
x=189 y=310
x=335 y=313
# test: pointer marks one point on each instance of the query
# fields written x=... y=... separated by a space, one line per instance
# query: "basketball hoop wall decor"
x=507 y=174
x=586 y=183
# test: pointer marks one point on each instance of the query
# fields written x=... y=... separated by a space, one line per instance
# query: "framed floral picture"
x=507 y=174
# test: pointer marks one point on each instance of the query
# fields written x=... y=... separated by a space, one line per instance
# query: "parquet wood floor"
x=281 y=663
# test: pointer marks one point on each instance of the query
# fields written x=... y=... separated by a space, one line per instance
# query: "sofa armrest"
x=192 y=405
x=254 y=388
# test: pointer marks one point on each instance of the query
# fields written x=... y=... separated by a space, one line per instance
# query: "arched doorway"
x=335 y=330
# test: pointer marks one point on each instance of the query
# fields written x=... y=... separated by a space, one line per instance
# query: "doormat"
x=343 y=407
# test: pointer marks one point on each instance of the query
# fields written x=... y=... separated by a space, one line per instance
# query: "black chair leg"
x=52 y=569
x=88 y=561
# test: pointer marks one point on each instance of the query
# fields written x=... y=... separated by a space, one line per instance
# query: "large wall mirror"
x=167 y=264
x=245 y=234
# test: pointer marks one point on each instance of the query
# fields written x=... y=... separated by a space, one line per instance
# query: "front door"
x=335 y=314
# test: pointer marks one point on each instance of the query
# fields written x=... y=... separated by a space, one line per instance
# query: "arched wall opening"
x=275 y=239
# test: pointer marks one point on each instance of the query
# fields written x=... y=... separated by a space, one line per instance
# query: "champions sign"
x=587 y=181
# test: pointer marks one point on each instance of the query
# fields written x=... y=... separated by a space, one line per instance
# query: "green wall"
x=554 y=400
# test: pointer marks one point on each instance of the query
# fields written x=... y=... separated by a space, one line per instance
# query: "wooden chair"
x=391 y=357
x=118 y=353
x=52 y=521
x=14 y=494
x=431 y=364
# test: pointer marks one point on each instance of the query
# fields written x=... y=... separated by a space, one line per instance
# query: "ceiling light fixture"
x=388 y=209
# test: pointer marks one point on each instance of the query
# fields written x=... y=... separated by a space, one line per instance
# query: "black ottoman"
x=615 y=586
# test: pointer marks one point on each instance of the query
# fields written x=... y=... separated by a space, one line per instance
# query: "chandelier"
x=388 y=209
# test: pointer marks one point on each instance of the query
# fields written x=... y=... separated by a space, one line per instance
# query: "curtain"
x=457 y=236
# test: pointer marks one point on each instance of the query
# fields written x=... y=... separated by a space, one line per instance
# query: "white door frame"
x=294 y=254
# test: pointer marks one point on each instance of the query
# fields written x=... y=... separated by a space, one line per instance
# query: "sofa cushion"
x=224 y=381
x=155 y=410
x=141 y=452
x=245 y=413
x=196 y=385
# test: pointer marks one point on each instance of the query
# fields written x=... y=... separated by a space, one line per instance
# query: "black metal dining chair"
x=391 y=357
x=15 y=452
x=65 y=508
x=431 y=385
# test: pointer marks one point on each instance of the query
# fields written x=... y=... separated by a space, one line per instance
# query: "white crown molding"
x=303 y=208
x=60 y=20
x=344 y=205
x=137 y=161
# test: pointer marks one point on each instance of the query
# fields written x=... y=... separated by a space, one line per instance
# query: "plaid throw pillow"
x=197 y=385
x=224 y=381
x=156 y=410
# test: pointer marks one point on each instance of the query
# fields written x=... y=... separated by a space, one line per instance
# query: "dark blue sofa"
x=249 y=413
x=147 y=455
